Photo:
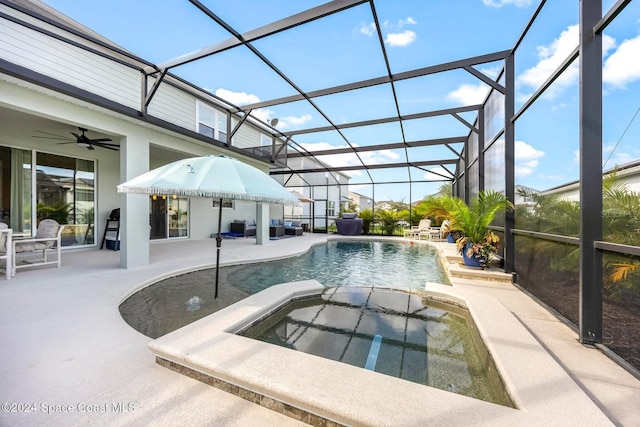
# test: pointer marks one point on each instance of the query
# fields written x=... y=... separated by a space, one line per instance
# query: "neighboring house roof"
x=362 y=196
x=625 y=170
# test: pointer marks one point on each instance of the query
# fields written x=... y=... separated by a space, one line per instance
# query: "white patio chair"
x=444 y=229
x=427 y=231
x=6 y=248
x=47 y=238
x=413 y=231
x=423 y=226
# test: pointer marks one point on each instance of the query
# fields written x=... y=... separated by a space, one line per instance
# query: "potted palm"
x=478 y=242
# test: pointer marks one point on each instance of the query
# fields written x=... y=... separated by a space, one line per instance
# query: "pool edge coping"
x=209 y=347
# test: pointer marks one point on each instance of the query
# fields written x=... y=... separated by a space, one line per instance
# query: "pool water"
x=399 y=333
x=172 y=303
x=348 y=263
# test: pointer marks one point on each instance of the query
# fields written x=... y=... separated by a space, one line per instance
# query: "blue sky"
x=417 y=33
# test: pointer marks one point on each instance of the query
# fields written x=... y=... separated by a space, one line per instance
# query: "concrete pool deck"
x=65 y=348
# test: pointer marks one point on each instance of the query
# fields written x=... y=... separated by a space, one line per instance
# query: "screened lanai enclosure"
x=549 y=119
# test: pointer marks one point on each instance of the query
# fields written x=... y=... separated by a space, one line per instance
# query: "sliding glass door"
x=35 y=186
x=168 y=216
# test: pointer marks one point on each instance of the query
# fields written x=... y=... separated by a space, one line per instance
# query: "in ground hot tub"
x=405 y=334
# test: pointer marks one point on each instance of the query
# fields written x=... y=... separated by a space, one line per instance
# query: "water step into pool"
x=372 y=358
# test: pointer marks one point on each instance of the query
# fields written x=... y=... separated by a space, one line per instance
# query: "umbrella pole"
x=218 y=244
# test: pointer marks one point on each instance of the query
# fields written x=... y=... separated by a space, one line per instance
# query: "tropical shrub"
x=367 y=218
x=472 y=220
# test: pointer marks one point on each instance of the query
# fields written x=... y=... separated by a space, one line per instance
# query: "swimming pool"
x=172 y=303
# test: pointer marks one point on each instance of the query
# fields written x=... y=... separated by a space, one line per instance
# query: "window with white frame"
x=331 y=208
x=211 y=122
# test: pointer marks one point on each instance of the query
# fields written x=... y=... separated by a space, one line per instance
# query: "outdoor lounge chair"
x=412 y=231
x=6 y=248
x=427 y=231
x=423 y=226
x=444 y=229
x=47 y=238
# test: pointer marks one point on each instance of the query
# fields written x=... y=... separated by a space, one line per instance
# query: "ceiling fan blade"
x=49 y=133
x=66 y=142
x=100 y=140
x=51 y=137
x=113 y=147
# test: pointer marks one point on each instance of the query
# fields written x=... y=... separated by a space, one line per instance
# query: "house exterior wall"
x=69 y=64
x=246 y=137
x=323 y=187
x=174 y=106
x=362 y=202
x=101 y=76
x=38 y=51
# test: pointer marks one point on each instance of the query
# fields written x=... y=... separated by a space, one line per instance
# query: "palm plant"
x=473 y=220
x=367 y=218
x=621 y=224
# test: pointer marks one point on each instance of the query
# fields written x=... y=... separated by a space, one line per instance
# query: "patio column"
x=509 y=164
x=134 y=210
x=590 y=172
x=262 y=223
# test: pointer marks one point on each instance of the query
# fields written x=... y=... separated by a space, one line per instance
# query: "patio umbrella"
x=302 y=197
x=218 y=177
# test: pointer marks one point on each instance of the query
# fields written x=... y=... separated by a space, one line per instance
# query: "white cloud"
x=433 y=177
x=408 y=21
x=404 y=38
x=550 y=58
x=289 y=121
x=526 y=159
x=468 y=94
x=623 y=67
x=368 y=29
x=393 y=38
x=237 y=98
x=500 y=3
x=263 y=114
x=337 y=160
x=491 y=72
x=617 y=157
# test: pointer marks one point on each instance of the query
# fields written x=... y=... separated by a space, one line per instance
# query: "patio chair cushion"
x=3 y=237
x=47 y=229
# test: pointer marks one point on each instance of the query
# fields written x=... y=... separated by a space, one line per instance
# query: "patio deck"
x=65 y=347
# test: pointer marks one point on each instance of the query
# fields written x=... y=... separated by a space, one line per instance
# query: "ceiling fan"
x=81 y=140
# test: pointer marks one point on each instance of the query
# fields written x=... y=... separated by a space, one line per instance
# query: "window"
x=331 y=208
x=211 y=122
x=226 y=203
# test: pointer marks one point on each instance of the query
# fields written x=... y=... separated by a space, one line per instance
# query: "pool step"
x=457 y=269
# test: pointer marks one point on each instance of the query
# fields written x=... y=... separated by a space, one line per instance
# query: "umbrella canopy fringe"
x=204 y=193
